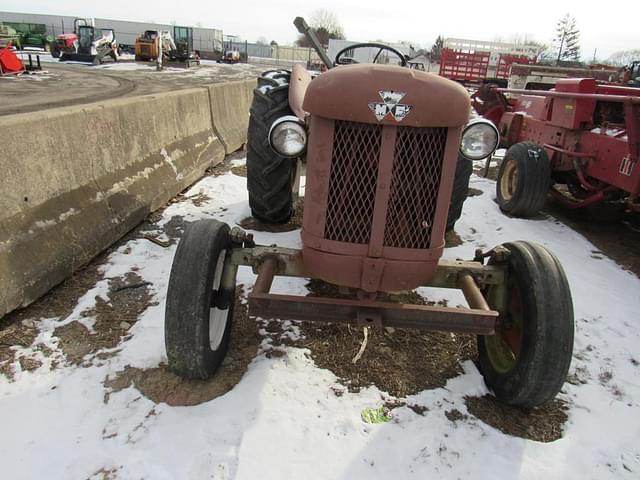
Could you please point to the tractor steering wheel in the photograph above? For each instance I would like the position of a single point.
(343, 59)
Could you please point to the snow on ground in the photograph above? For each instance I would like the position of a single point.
(283, 420)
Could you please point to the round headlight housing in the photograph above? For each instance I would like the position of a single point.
(480, 139)
(288, 136)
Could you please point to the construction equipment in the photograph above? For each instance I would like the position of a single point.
(148, 45)
(183, 39)
(631, 74)
(381, 145)
(31, 35)
(93, 45)
(8, 35)
(68, 42)
(579, 141)
(231, 56)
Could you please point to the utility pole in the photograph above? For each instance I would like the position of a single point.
(564, 32)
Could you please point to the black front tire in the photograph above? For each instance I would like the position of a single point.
(524, 180)
(464, 167)
(269, 176)
(526, 362)
(197, 331)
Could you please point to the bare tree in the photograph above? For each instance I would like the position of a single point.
(567, 40)
(624, 57)
(262, 41)
(326, 26)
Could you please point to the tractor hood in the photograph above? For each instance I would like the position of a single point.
(388, 95)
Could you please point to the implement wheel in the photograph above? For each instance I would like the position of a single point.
(526, 362)
(269, 176)
(199, 311)
(524, 180)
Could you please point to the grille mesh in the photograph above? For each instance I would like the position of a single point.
(417, 167)
(352, 185)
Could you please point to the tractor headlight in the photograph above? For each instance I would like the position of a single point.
(480, 139)
(288, 136)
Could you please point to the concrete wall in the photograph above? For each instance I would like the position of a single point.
(74, 180)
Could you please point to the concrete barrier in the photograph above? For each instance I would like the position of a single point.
(74, 180)
(230, 103)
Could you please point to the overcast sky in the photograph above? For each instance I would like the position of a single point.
(607, 29)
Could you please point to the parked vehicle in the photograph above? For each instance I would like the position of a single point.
(68, 42)
(31, 35)
(381, 145)
(94, 45)
(148, 45)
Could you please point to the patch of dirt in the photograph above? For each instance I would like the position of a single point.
(452, 239)
(294, 222)
(398, 361)
(226, 165)
(542, 424)
(15, 335)
(474, 192)
(199, 199)
(129, 296)
(19, 328)
(240, 170)
(160, 385)
(455, 415)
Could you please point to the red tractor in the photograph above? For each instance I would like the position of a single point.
(68, 42)
(383, 145)
(579, 141)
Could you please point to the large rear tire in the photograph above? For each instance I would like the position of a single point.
(269, 176)
(524, 180)
(199, 312)
(526, 361)
(464, 167)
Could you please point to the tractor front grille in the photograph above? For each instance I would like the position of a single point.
(352, 185)
(417, 168)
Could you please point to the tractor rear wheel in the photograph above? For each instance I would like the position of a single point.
(526, 361)
(269, 176)
(524, 180)
(464, 167)
(199, 312)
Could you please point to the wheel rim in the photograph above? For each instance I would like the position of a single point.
(503, 348)
(218, 317)
(508, 179)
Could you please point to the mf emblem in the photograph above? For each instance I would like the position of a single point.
(390, 105)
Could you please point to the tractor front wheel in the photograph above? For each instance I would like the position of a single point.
(526, 361)
(199, 310)
(524, 180)
(269, 176)
(460, 190)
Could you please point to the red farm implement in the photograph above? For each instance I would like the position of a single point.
(10, 64)
(503, 69)
(580, 141)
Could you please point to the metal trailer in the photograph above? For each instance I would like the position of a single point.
(580, 141)
(464, 67)
(543, 77)
(476, 67)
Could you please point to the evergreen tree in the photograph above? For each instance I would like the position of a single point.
(436, 49)
(567, 40)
